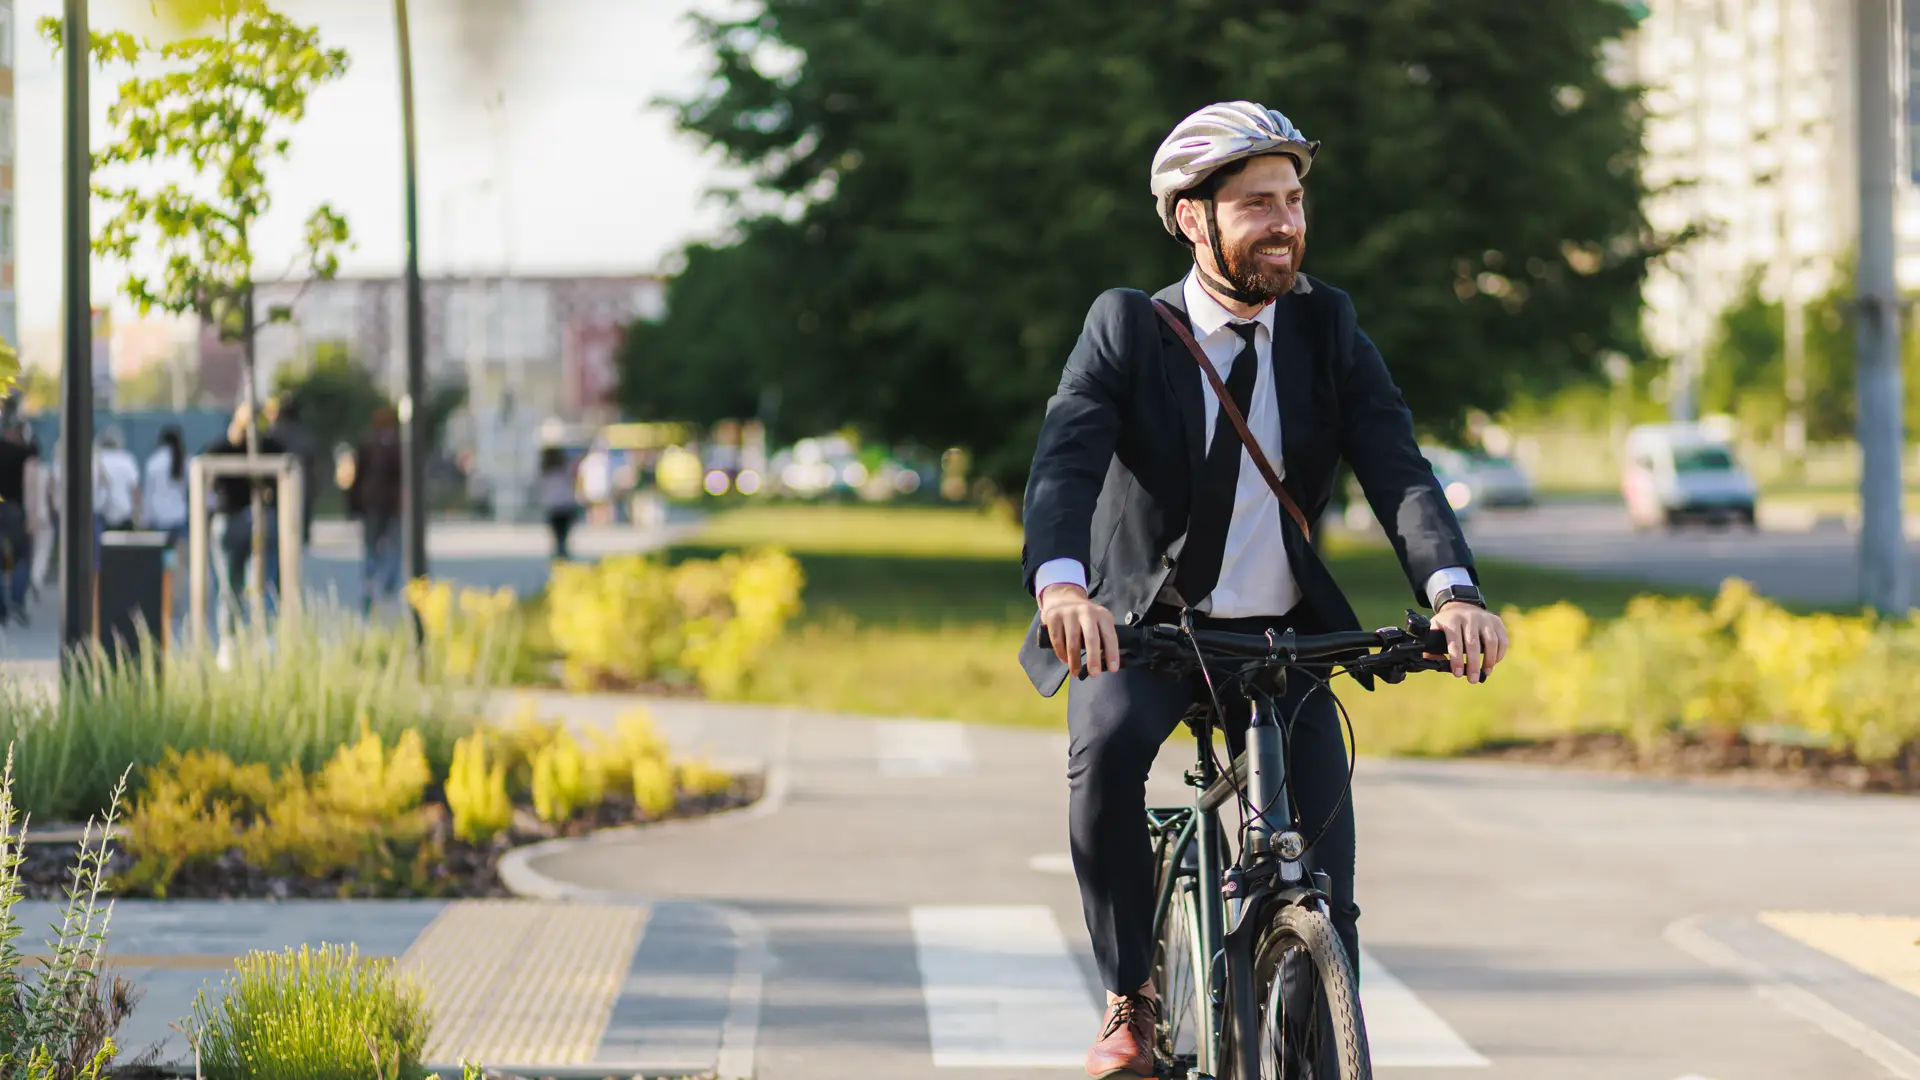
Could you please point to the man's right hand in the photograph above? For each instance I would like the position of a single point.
(1074, 622)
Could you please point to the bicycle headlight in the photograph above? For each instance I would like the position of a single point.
(1290, 845)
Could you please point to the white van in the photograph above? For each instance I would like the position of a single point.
(1677, 472)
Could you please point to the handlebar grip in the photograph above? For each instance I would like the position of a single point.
(1127, 636)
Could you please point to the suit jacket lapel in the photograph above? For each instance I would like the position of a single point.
(1292, 368)
(1183, 381)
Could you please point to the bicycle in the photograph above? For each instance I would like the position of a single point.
(1226, 930)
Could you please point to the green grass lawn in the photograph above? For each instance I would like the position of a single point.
(919, 612)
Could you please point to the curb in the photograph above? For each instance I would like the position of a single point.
(1689, 936)
(740, 1030)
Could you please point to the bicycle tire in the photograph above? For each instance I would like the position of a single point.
(1184, 1037)
(1336, 1007)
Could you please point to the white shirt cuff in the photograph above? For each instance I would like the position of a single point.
(1452, 575)
(1058, 572)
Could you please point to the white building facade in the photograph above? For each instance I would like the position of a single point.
(1752, 135)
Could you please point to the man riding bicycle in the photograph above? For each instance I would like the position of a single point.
(1148, 498)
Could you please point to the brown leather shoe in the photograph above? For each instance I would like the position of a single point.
(1125, 1049)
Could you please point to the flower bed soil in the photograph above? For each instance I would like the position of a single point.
(464, 871)
(1730, 756)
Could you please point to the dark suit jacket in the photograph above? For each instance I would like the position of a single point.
(1121, 450)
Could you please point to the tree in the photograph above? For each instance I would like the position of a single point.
(1746, 370)
(336, 394)
(217, 111)
(941, 188)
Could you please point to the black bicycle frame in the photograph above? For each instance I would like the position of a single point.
(1232, 901)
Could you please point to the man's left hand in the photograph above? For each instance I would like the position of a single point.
(1476, 638)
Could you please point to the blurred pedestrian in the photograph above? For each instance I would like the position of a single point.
(374, 495)
(557, 497)
(284, 423)
(116, 483)
(19, 469)
(164, 496)
(232, 524)
(43, 496)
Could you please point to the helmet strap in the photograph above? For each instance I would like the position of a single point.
(1237, 295)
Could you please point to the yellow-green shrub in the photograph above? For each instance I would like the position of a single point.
(170, 829)
(564, 782)
(632, 738)
(1736, 665)
(364, 780)
(633, 618)
(477, 792)
(699, 778)
(653, 789)
(470, 633)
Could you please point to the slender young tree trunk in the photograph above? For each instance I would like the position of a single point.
(257, 565)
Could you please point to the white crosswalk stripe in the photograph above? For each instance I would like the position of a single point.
(1402, 1032)
(1002, 991)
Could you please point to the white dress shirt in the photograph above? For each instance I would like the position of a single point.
(1256, 577)
(163, 500)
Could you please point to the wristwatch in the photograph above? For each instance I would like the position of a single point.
(1463, 594)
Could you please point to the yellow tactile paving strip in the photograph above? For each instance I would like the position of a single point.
(1886, 947)
(523, 982)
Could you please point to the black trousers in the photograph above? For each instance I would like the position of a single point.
(1116, 723)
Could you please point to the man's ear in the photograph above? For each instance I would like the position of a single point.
(1186, 214)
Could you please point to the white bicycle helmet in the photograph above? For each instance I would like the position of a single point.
(1220, 135)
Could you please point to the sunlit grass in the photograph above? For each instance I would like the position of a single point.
(920, 612)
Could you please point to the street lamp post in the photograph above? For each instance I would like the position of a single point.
(76, 397)
(1883, 562)
(413, 406)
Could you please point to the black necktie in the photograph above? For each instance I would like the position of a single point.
(1206, 546)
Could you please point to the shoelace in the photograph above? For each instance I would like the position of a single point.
(1121, 1013)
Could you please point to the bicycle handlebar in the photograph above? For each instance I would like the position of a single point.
(1402, 649)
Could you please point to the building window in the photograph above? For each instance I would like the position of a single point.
(6, 35)
(6, 129)
(6, 230)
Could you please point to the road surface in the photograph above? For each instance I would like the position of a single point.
(1813, 565)
(910, 882)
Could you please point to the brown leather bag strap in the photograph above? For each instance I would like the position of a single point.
(1232, 413)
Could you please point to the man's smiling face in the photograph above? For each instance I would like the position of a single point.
(1261, 212)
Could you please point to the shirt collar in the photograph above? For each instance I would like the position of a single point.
(1208, 316)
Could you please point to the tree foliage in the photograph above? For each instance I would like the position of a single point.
(217, 107)
(336, 394)
(942, 187)
(1745, 370)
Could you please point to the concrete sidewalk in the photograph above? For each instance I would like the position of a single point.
(520, 986)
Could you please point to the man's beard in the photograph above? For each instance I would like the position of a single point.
(1249, 275)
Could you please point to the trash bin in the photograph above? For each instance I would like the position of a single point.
(133, 591)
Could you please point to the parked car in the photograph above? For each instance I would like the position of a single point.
(1675, 473)
(1486, 481)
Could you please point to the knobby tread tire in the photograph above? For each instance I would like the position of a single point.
(1314, 930)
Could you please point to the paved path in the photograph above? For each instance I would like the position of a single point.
(910, 882)
(524, 986)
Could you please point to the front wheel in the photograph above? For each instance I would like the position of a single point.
(1310, 1022)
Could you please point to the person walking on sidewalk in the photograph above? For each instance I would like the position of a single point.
(233, 522)
(558, 498)
(375, 497)
(1153, 493)
(19, 524)
(164, 496)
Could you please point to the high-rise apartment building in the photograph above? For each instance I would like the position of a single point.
(1752, 137)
